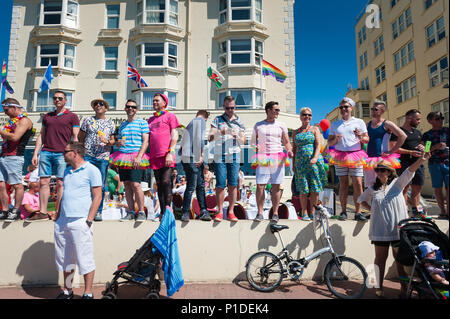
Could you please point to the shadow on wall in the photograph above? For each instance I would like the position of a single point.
(37, 265)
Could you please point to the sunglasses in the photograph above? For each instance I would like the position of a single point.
(131, 106)
(59, 98)
(99, 103)
(309, 115)
(276, 110)
(381, 170)
(68, 151)
(438, 118)
(374, 109)
(228, 108)
(344, 107)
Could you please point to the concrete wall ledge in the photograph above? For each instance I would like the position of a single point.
(209, 251)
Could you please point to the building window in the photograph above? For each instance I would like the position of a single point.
(438, 72)
(244, 98)
(48, 53)
(365, 108)
(240, 10)
(147, 99)
(111, 57)
(401, 120)
(111, 98)
(406, 90)
(241, 52)
(363, 61)
(44, 101)
(112, 16)
(382, 97)
(157, 11)
(379, 45)
(362, 35)
(435, 32)
(393, 3)
(380, 73)
(161, 54)
(429, 3)
(69, 56)
(365, 84)
(402, 23)
(59, 12)
(404, 56)
(443, 108)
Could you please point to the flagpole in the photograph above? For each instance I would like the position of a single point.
(207, 83)
(261, 82)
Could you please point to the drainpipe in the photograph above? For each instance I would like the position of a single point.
(187, 44)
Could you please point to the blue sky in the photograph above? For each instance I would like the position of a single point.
(325, 50)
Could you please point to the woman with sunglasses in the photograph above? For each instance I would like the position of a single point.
(387, 205)
(309, 168)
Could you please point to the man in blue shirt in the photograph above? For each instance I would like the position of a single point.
(73, 228)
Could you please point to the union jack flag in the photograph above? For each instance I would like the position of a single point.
(134, 75)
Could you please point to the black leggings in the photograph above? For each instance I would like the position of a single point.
(163, 178)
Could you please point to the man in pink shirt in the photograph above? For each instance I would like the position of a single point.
(30, 203)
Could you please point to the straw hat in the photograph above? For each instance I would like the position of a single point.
(387, 165)
(100, 100)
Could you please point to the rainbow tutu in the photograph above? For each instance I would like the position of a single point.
(125, 160)
(270, 160)
(393, 159)
(354, 159)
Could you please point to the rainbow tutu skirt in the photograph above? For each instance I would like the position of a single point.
(393, 159)
(354, 159)
(270, 160)
(125, 160)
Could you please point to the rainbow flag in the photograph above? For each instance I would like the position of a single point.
(270, 69)
(4, 69)
(4, 82)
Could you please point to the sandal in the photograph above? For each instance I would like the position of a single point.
(379, 293)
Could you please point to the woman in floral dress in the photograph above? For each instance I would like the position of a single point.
(309, 168)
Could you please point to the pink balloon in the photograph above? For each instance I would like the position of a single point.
(324, 124)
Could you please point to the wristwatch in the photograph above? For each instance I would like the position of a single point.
(89, 223)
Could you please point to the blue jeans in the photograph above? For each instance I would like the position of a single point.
(194, 182)
(102, 165)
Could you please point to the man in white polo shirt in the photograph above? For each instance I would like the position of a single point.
(73, 228)
(347, 135)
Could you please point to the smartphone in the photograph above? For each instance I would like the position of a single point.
(427, 146)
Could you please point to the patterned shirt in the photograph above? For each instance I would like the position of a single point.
(436, 137)
(93, 128)
(226, 144)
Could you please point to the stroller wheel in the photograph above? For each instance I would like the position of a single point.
(110, 295)
(111, 287)
(152, 295)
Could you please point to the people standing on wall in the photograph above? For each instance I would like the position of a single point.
(347, 135)
(163, 139)
(97, 135)
(131, 159)
(59, 127)
(268, 138)
(15, 134)
(310, 175)
(227, 131)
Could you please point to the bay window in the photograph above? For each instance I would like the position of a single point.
(240, 10)
(59, 12)
(146, 96)
(157, 12)
(244, 98)
(157, 54)
(241, 52)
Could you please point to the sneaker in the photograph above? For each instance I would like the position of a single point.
(38, 216)
(86, 296)
(65, 295)
(141, 217)
(98, 217)
(129, 216)
(360, 217)
(205, 216)
(306, 218)
(258, 218)
(13, 214)
(219, 217)
(185, 217)
(232, 217)
(343, 216)
(3, 214)
(275, 218)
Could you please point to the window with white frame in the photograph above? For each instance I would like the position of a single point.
(403, 56)
(365, 84)
(157, 12)
(48, 53)
(379, 45)
(69, 56)
(435, 32)
(112, 16)
(380, 73)
(401, 23)
(111, 57)
(428, 3)
(244, 98)
(241, 52)
(362, 35)
(363, 60)
(442, 107)
(406, 90)
(438, 72)
(111, 98)
(44, 101)
(157, 54)
(147, 98)
(59, 12)
(240, 10)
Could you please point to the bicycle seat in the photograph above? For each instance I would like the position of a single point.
(276, 228)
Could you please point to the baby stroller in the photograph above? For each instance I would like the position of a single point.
(412, 233)
(139, 270)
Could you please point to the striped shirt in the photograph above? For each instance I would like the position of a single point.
(133, 133)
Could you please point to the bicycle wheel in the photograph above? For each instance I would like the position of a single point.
(345, 277)
(264, 271)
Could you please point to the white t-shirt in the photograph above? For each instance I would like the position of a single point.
(269, 136)
(349, 141)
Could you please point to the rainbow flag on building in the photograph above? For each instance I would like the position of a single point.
(5, 82)
(270, 69)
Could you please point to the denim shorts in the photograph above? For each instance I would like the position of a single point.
(439, 174)
(11, 169)
(226, 172)
(51, 163)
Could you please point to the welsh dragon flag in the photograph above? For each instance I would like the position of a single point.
(216, 77)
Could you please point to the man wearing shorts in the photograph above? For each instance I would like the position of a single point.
(15, 135)
(412, 149)
(347, 135)
(227, 131)
(268, 137)
(58, 128)
(73, 227)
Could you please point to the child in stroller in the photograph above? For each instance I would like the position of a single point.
(428, 250)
